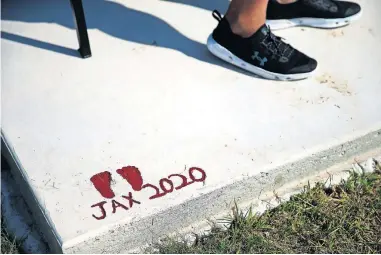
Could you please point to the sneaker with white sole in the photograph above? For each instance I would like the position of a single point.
(312, 13)
(263, 53)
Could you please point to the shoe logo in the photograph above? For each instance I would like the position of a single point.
(256, 56)
(283, 59)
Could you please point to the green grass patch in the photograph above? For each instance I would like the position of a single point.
(344, 218)
(8, 244)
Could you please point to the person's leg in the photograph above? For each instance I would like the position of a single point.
(246, 17)
(243, 39)
(314, 13)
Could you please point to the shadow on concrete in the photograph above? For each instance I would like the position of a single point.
(111, 18)
(39, 44)
(208, 5)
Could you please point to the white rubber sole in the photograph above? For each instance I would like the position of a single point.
(312, 22)
(224, 54)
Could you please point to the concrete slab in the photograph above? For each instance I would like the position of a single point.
(153, 106)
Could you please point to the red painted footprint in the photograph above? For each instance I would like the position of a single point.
(102, 182)
(133, 176)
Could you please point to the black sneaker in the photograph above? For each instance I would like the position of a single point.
(312, 13)
(263, 53)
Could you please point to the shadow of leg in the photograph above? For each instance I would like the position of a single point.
(209, 5)
(112, 18)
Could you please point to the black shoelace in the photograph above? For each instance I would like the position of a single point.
(276, 46)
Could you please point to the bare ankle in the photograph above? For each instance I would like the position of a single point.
(246, 16)
(242, 26)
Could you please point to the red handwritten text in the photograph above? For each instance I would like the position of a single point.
(114, 204)
(167, 186)
(102, 183)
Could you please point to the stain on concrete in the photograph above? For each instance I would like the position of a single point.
(371, 31)
(340, 86)
(278, 180)
(336, 33)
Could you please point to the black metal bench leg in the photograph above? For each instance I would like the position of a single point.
(80, 23)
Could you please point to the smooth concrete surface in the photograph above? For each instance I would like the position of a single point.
(153, 98)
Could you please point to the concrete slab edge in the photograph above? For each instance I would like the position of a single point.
(331, 176)
(17, 219)
(39, 215)
(19, 222)
(129, 236)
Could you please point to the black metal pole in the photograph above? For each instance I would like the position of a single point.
(80, 23)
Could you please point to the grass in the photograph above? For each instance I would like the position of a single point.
(8, 244)
(344, 218)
